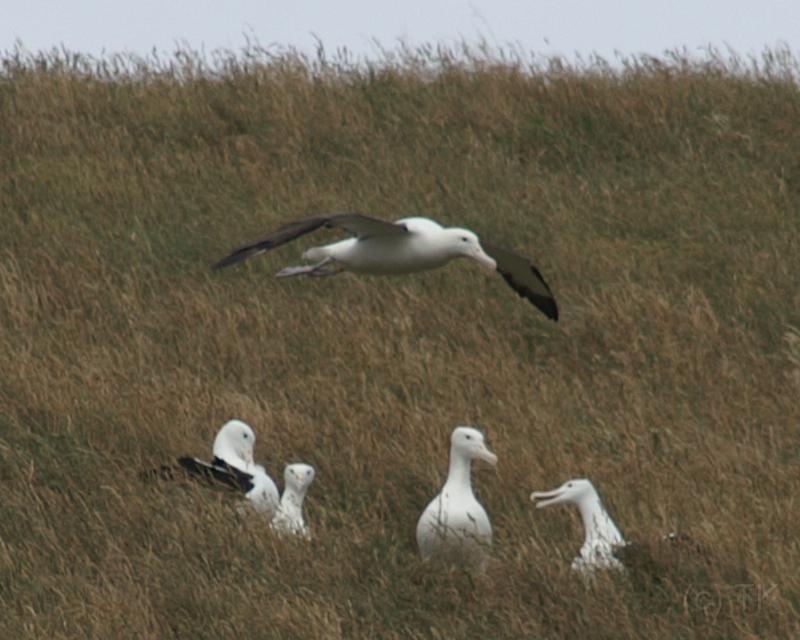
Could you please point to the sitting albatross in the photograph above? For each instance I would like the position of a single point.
(455, 524)
(233, 465)
(675, 555)
(404, 246)
(602, 536)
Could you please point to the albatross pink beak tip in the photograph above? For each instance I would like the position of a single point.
(486, 261)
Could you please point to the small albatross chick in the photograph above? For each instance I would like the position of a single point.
(289, 518)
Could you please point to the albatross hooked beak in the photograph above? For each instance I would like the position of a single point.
(484, 454)
(547, 497)
(479, 255)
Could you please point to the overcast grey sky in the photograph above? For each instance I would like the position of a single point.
(542, 26)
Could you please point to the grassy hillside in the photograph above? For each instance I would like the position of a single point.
(662, 204)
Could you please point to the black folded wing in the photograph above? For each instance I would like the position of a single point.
(218, 471)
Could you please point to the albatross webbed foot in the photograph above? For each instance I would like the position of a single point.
(289, 272)
(325, 268)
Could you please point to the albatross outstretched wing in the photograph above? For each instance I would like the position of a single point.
(357, 224)
(524, 278)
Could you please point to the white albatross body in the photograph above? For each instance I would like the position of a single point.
(406, 246)
(602, 537)
(264, 495)
(427, 245)
(234, 446)
(233, 465)
(289, 518)
(455, 524)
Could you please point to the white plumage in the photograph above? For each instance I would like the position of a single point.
(289, 518)
(602, 536)
(455, 524)
(233, 466)
(392, 248)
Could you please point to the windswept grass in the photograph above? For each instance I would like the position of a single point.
(662, 203)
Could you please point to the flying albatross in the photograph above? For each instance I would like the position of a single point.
(405, 246)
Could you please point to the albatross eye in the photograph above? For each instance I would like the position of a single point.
(469, 437)
(464, 239)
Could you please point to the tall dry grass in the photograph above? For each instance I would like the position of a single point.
(660, 200)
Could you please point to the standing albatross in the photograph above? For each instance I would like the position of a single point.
(454, 524)
(405, 246)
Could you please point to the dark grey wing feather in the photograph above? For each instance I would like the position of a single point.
(364, 226)
(524, 278)
(357, 224)
(218, 471)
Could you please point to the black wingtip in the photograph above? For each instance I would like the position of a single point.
(236, 256)
(192, 465)
(546, 304)
(219, 265)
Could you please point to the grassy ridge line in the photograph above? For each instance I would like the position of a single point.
(662, 205)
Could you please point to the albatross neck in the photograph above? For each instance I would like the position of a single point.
(292, 500)
(459, 476)
(228, 454)
(601, 532)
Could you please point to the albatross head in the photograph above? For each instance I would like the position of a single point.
(468, 442)
(465, 243)
(574, 491)
(299, 477)
(235, 441)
